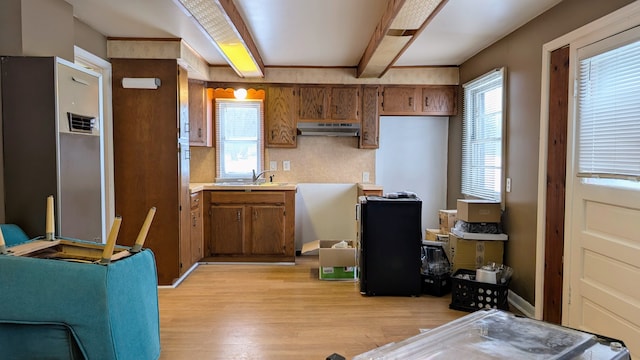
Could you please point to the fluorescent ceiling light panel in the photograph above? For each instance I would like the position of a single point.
(210, 15)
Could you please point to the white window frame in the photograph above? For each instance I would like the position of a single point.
(245, 174)
(475, 171)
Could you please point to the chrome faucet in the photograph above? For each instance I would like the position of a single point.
(256, 177)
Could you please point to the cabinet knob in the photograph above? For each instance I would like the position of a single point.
(426, 101)
(238, 215)
(410, 101)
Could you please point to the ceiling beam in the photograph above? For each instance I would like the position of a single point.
(235, 18)
(387, 44)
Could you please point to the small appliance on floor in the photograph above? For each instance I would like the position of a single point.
(390, 240)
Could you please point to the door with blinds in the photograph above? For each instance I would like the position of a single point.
(603, 205)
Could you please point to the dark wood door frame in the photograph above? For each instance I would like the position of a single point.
(556, 185)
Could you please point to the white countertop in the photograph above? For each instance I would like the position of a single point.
(195, 187)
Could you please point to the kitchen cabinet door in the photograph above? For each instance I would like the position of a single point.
(268, 230)
(227, 230)
(197, 234)
(439, 100)
(399, 100)
(200, 114)
(313, 102)
(345, 103)
(369, 131)
(280, 120)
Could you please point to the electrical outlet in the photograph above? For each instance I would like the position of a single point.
(273, 165)
(286, 165)
(365, 177)
(508, 185)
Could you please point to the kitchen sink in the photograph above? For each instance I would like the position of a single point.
(272, 184)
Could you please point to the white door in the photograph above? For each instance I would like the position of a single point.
(605, 263)
(602, 256)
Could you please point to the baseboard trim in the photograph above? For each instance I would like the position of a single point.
(177, 282)
(521, 304)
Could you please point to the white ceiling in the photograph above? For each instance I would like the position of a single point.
(327, 33)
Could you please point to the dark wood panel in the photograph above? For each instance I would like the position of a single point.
(146, 161)
(556, 184)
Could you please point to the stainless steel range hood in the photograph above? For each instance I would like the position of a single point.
(328, 129)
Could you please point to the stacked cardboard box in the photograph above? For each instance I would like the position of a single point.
(471, 250)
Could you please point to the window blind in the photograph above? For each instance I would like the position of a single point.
(608, 110)
(239, 129)
(482, 136)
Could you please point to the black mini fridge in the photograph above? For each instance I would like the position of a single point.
(390, 237)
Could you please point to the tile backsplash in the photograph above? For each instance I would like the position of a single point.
(316, 159)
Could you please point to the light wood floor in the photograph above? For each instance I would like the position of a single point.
(284, 312)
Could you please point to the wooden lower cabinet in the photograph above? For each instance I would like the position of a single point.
(268, 230)
(197, 227)
(227, 229)
(250, 226)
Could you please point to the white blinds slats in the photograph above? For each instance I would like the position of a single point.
(608, 89)
(482, 136)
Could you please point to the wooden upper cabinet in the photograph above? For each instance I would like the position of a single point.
(200, 114)
(329, 103)
(439, 100)
(369, 131)
(345, 103)
(280, 120)
(314, 101)
(399, 100)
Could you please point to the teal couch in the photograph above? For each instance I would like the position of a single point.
(54, 309)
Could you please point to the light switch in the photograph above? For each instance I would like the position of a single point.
(365, 177)
(508, 185)
(273, 165)
(286, 165)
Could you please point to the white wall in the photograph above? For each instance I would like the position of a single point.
(413, 157)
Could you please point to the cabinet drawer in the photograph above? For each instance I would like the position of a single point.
(241, 197)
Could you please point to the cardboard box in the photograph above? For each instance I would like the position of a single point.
(334, 264)
(447, 220)
(479, 236)
(479, 211)
(432, 234)
(472, 254)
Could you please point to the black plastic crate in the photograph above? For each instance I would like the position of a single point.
(436, 285)
(471, 295)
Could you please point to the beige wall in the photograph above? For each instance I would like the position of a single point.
(521, 53)
(36, 27)
(89, 39)
(10, 27)
(47, 28)
(316, 159)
